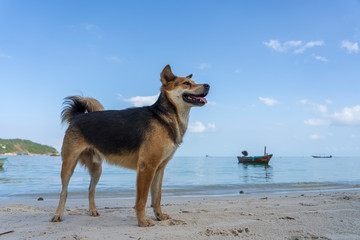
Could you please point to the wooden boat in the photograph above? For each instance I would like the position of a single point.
(255, 159)
(2, 161)
(322, 156)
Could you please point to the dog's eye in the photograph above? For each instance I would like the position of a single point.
(187, 83)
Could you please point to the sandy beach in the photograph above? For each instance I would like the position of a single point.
(316, 215)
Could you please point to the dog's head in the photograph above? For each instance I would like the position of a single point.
(182, 90)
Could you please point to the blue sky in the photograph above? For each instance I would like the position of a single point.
(284, 74)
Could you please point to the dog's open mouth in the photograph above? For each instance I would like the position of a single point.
(195, 99)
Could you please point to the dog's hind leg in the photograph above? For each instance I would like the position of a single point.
(156, 194)
(70, 159)
(93, 163)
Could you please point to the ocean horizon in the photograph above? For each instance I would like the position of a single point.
(30, 177)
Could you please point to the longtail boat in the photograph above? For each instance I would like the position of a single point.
(322, 156)
(254, 159)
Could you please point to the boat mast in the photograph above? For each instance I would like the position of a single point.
(265, 151)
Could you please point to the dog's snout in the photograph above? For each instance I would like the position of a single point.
(206, 88)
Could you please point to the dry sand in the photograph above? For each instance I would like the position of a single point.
(321, 215)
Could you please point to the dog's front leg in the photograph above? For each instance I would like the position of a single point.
(145, 175)
(156, 194)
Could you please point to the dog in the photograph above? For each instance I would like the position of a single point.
(142, 138)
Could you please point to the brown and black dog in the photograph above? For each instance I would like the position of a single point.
(143, 139)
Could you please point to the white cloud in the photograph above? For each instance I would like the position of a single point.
(199, 127)
(277, 46)
(321, 58)
(317, 122)
(140, 101)
(316, 107)
(268, 101)
(202, 66)
(314, 43)
(347, 116)
(328, 101)
(113, 59)
(310, 44)
(212, 103)
(351, 47)
(298, 45)
(292, 43)
(315, 136)
(320, 108)
(274, 44)
(91, 28)
(304, 101)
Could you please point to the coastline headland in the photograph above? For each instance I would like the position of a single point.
(25, 147)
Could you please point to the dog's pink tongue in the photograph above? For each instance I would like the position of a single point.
(200, 98)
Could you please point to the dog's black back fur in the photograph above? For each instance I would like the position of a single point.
(123, 131)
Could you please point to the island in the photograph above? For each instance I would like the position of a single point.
(25, 147)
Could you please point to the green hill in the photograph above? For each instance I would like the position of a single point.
(16, 146)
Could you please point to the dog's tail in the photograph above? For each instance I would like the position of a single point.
(75, 105)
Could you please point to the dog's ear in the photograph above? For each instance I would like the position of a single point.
(167, 75)
(189, 77)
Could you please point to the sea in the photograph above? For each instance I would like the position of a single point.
(31, 177)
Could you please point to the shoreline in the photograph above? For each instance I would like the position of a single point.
(199, 191)
(31, 154)
(307, 215)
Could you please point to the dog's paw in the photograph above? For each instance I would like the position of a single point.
(94, 213)
(146, 223)
(56, 218)
(162, 217)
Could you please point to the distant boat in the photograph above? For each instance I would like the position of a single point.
(322, 156)
(254, 159)
(2, 162)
